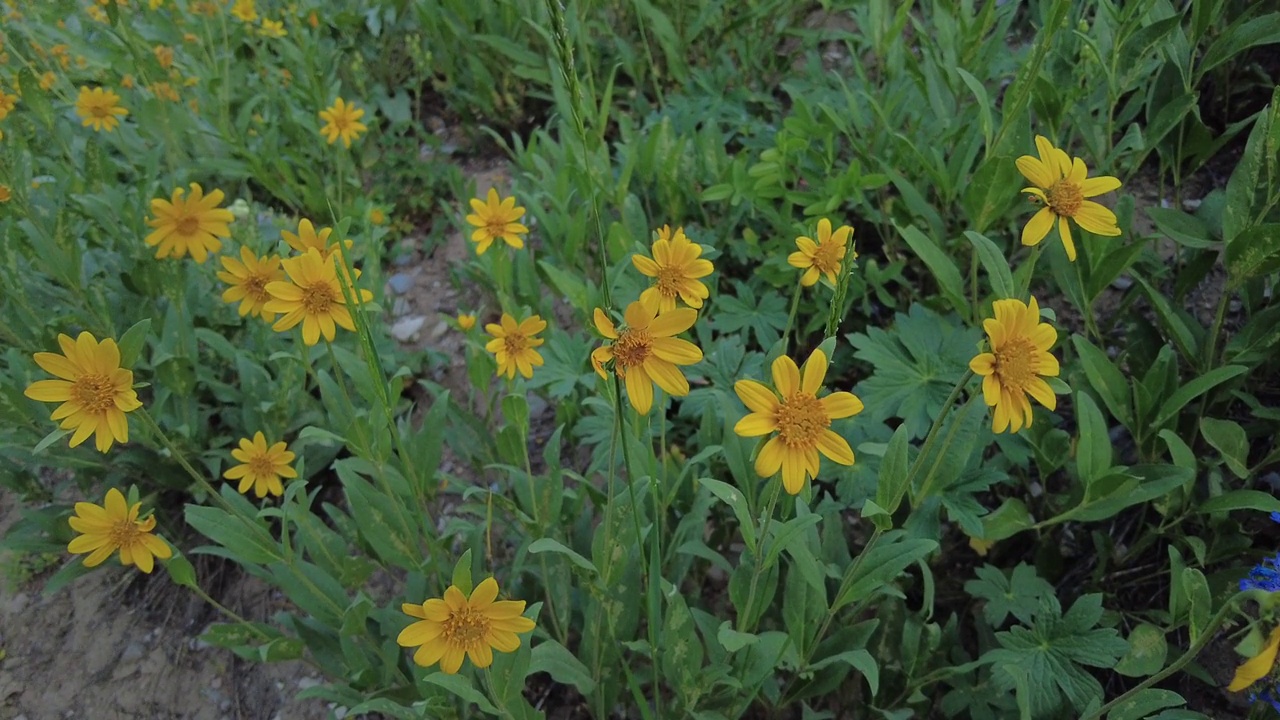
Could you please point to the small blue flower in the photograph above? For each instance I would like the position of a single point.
(1275, 517)
(1264, 576)
(1269, 695)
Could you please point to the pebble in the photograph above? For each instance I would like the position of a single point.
(1191, 204)
(439, 330)
(402, 260)
(1124, 282)
(405, 329)
(132, 651)
(400, 283)
(400, 307)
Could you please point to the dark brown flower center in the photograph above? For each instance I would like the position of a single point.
(1065, 198)
(317, 299)
(801, 420)
(632, 348)
(188, 225)
(515, 343)
(669, 280)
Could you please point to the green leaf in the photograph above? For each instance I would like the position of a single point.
(882, 564)
(732, 640)
(1147, 652)
(554, 546)
(735, 500)
(940, 264)
(181, 571)
(1105, 378)
(892, 483)
(682, 651)
(1262, 30)
(994, 262)
(1246, 183)
(515, 410)
(36, 100)
(1228, 438)
(552, 658)
(1093, 453)
(1173, 320)
(1146, 704)
(860, 660)
(1019, 594)
(462, 574)
(246, 541)
(1241, 500)
(462, 688)
(1253, 253)
(1181, 453)
(1195, 589)
(1185, 229)
(131, 342)
(1011, 518)
(1194, 389)
(1122, 488)
(983, 102)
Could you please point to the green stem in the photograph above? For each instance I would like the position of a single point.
(791, 318)
(178, 455)
(745, 622)
(1206, 636)
(1086, 308)
(537, 522)
(933, 434)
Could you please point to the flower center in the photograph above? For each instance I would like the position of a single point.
(317, 299)
(515, 344)
(496, 227)
(124, 533)
(261, 466)
(801, 419)
(342, 122)
(99, 111)
(632, 347)
(95, 393)
(827, 257)
(465, 628)
(188, 225)
(1015, 363)
(1065, 198)
(669, 281)
(255, 286)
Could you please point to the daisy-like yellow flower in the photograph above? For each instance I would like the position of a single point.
(100, 109)
(801, 419)
(245, 10)
(513, 345)
(1062, 183)
(821, 258)
(248, 278)
(1257, 667)
(675, 268)
(272, 28)
(47, 79)
(377, 216)
(113, 526)
(7, 103)
(1018, 362)
(312, 296)
(342, 120)
(164, 55)
(466, 322)
(494, 219)
(646, 351)
(309, 237)
(455, 626)
(261, 466)
(189, 224)
(94, 390)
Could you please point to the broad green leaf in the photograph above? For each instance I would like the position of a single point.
(732, 640)
(131, 342)
(735, 500)
(1093, 453)
(940, 264)
(882, 564)
(461, 687)
(1195, 589)
(1011, 518)
(555, 546)
(1228, 438)
(244, 541)
(892, 483)
(181, 571)
(1020, 594)
(462, 574)
(994, 262)
(1253, 253)
(1185, 229)
(1246, 183)
(552, 658)
(682, 651)
(1241, 500)
(1194, 389)
(1147, 652)
(1261, 30)
(1105, 378)
(1146, 704)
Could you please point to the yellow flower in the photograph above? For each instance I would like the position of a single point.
(449, 628)
(189, 225)
(245, 10)
(675, 267)
(114, 526)
(1062, 183)
(164, 54)
(127, 81)
(513, 344)
(155, 4)
(378, 216)
(801, 419)
(466, 322)
(248, 278)
(47, 79)
(313, 297)
(261, 467)
(496, 219)
(100, 109)
(1259, 666)
(5, 193)
(1018, 361)
(94, 390)
(313, 20)
(7, 102)
(164, 91)
(308, 237)
(342, 120)
(646, 351)
(272, 28)
(823, 257)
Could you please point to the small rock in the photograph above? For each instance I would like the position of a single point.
(1124, 282)
(1234, 306)
(308, 682)
(405, 329)
(132, 651)
(1191, 204)
(439, 330)
(400, 283)
(400, 307)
